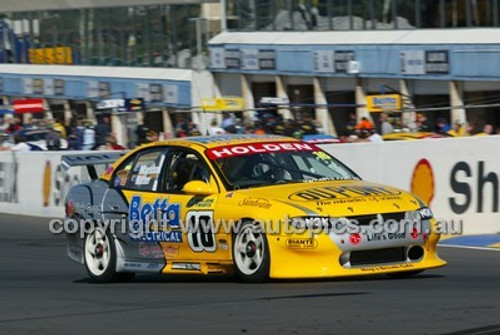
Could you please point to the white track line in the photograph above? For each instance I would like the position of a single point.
(468, 247)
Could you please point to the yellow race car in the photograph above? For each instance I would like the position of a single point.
(257, 206)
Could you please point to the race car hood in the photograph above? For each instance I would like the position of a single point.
(337, 198)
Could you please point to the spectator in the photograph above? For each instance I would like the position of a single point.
(181, 126)
(458, 130)
(152, 136)
(80, 130)
(259, 129)
(374, 136)
(385, 126)
(193, 129)
(442, 127)
(141, 133)
(112, 144)
(215, 129)
(13, 125)
(289, 127)
(308, 126)
(20, 145)
(102, 131)
(53, 139)
(364, 124)
(350, 126)
(58, 126)
(88, 136)
(423, 123)
(227, 120)
(472, 129)
(487, 130)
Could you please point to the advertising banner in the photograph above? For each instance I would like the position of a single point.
(457, 177)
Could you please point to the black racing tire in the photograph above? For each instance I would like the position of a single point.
(251, 257)
(404, 274)
(99, 254)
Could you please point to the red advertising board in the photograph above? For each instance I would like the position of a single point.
(28, 106)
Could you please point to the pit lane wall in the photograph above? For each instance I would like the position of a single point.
(458, 177)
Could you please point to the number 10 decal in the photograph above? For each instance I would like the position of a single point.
(200, 231)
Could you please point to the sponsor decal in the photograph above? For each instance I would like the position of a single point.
(355, 239)
(166, 215)
(335, 192)
(301, 243)
(157, 251)
(387, 267)
(8, 181)
(146, 173)
(414, 233)
(376, 237)
(186, 266)
(63, 182)
(170, 251)
(465, 183)
(138, 266)
(257, 148)
(425, 213)
(86, 208)
(422, 181)
(206, 203)
(223, 244)
(201, 236)
(47, 182)
(255, 202)
(28, 106)
(70, 208)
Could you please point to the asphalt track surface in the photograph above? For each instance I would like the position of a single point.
(43, 292)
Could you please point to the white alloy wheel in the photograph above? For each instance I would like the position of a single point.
(97, 252)
(251, 253)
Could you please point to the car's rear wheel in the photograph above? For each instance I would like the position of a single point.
(404, 274)
(251, 253)
(100, 257)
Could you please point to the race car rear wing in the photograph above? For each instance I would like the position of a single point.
(90, 161)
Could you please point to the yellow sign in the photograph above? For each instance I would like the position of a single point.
(222, 104)
(383, 102)
(58, 55)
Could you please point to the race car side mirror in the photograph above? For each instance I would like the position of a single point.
(197, 187)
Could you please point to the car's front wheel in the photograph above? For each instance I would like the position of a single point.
(100, 257)
(251, 253)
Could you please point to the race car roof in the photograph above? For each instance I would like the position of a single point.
(223, 140)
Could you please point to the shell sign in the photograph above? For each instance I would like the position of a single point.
(422, 181)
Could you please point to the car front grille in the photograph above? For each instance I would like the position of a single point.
(364, 220)
(377, 256)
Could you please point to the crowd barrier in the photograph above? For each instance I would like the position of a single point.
(35, 183)
(458, 178)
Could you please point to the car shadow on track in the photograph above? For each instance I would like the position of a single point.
(215, 279)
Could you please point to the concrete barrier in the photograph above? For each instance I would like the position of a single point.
(34, 183)
(457, 177)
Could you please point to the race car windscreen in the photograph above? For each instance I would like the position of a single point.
(264, 164)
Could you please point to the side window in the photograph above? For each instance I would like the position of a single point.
(145, 174)
(184, 166)
(122, 174)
